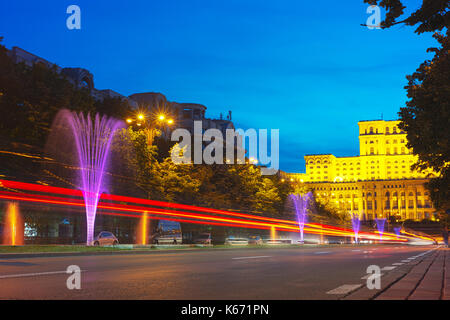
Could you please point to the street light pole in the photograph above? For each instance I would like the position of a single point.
(151, 127)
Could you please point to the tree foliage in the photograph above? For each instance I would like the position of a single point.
(431, 16)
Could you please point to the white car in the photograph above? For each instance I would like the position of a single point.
(236, 241)
(105, 238)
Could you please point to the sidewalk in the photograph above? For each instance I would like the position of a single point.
(425, 279)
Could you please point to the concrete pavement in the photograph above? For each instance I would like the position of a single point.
(424, 276)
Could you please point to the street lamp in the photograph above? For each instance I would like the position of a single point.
(152, 128)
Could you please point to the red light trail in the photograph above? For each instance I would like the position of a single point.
(232, 219)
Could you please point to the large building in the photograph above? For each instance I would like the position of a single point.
(377, 183)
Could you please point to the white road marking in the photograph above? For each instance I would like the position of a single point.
(388, 268)
(397, 264)
(346, 288)
(33, 274)
(357, 250)
(255, 257)
(374, 275)
(406, 261)
(322, 252)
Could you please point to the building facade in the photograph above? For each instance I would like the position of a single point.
(377, 183)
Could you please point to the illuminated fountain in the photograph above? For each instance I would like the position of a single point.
(397, 231)
(92, 139)
(301, 204)
(13, 228)
(356, 223)
(273, 233)
(380, 226)
(142, 230)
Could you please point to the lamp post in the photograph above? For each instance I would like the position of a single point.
(152, 126)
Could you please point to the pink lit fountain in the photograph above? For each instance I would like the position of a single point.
(92, 139)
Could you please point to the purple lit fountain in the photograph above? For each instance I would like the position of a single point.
(397, 231)
(92, 140)
(356, 223)
(301, 204)
(380, 226)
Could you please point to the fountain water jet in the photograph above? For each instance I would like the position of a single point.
(92, 138)
(13, 229)
(380, 226)
(273, 233)
(356, 223)
(397, 231)
(142, 230)
(301, 204)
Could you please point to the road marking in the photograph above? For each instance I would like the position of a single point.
(397, 264)
(346, 288)
(33, 274)
(255, 257)
(357, 250)
(370, 275)
(406, 261)
(411, 258)
(322, 252)
(388, 268)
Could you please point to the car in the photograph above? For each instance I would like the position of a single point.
(255, 240)
(203, 238)
(105, 238)
(168, 232)
(236, 241)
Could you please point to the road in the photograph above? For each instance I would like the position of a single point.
(244, 273)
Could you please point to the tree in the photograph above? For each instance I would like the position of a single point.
(135, 163)
(431, 16)
(426, 119)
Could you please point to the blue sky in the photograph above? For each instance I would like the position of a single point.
(307, 68)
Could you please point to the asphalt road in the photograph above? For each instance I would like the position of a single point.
(244, 273)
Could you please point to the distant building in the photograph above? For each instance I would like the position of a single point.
(377, 183)
(79, 77)
(184, 113)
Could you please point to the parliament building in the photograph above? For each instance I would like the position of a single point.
(379, 183)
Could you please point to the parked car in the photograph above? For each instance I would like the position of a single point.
(255, 240)
(105, 238)
(203, 238)
(236, 241)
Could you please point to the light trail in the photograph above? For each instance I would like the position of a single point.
(254, 221)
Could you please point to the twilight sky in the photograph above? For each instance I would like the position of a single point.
(307, 68)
